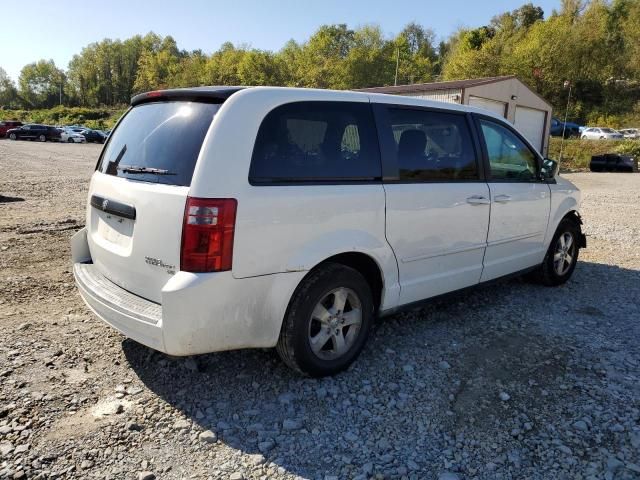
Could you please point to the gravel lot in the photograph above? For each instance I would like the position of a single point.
(512, 380)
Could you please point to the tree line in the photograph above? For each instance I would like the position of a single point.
(593, 44)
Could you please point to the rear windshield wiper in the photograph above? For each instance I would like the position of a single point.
(137, 169)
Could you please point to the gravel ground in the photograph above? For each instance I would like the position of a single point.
(512, 380)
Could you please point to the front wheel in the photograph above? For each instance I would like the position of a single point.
(327, 322)
(70, 140)
(12, 136)
(562, 255)
(42, 138)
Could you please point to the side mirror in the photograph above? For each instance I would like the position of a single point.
(549, 169)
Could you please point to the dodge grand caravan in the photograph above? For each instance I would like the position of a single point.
(223, 218)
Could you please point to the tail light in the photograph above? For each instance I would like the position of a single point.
(207, 234)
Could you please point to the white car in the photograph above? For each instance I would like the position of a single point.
(632, 133)
(71, 136)
(600, 133)
(222, 218)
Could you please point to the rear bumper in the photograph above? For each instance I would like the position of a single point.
(133, 316)
(199, 313)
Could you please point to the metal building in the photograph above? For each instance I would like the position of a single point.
(506, 96)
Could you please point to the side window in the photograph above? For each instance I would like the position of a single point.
(509, 157)
(432, 145)
(316, 141)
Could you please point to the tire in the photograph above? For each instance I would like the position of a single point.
(13, 136)
(42, 138)
(584, 137)
(549, 274)
(70, 140)
(320, 295)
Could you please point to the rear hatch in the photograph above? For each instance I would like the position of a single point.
(138, 192)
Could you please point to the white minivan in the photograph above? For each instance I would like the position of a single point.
(223, 218)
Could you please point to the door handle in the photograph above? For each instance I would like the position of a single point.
(502, 198)
(478, 200)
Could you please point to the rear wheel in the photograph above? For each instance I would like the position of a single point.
(42, 138)
(562, 255)
(327, 322)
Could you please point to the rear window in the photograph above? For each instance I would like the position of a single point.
(158, 142)
(316, 141)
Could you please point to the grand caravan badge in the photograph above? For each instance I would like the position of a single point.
(156, 262)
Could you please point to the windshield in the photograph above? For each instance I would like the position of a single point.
(158, 142)
(607, 130)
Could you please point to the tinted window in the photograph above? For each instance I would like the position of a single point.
(432, 145)
(166, 136)
(509, 157)
(316, 141)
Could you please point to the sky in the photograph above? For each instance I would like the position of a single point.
(55, 30)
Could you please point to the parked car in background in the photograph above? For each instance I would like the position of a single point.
(93, 136)
(613, 162)
(600, 133)
(8, 125)
(570, 129)
(70, 136)
(632, 133)
(298, 216)
(33, 131)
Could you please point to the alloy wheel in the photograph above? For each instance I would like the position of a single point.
(564, 254)
(335, 323)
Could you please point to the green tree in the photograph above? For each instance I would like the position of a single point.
(321, 62)
(41, 83)
(157, 65)
(417, 56)
(370, 59)
(8, 91)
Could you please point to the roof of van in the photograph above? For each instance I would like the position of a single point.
(219, 94)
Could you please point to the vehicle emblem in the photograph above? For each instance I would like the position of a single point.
(105, 204)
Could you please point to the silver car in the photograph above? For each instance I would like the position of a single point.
(600, 133)
(632, 133)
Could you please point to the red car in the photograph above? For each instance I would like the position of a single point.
(8, 124)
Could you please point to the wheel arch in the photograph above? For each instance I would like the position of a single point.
(572, 214)
(362, 262)
(367, 266)
(575, 217)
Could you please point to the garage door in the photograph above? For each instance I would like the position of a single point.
(530, 122)
(499, 108)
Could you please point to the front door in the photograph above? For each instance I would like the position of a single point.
(520, 202)
(436, 202)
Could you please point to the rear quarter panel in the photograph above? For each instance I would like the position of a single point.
(288, 228)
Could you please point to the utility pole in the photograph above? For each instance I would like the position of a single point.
(60, 93)
(567, 83)
(395, 82)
